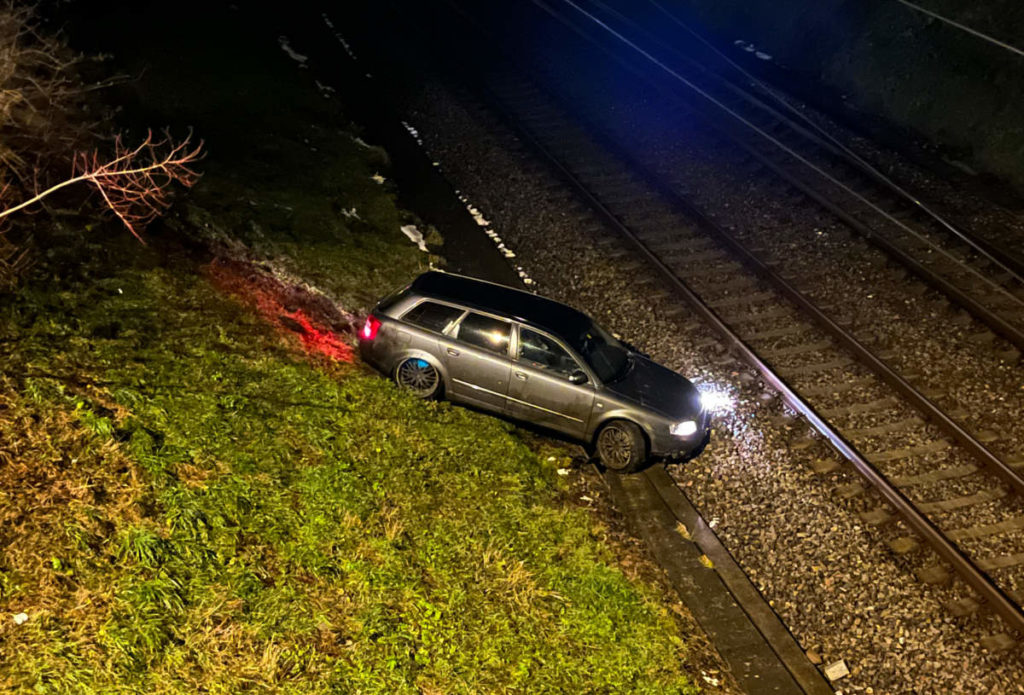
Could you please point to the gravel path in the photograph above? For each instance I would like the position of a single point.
(828, 574)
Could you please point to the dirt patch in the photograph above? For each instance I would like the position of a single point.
(323, 329)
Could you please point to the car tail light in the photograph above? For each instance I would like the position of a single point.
(371, 327)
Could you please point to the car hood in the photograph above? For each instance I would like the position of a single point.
(659, 388)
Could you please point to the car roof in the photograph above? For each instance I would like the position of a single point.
(547, 314)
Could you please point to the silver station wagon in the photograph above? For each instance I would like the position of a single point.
(535, 360)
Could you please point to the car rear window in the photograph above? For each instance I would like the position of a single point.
(432, 316)
(485, 333)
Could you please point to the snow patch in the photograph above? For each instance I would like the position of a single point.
(493, 235)
(414, 133)
(286, 47)
(477, 215)
(751, 48)
(339, 37)
(415, 236)
(325, 89)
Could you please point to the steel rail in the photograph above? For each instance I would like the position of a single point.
(962, 565)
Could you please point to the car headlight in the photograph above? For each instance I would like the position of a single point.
(684, 428)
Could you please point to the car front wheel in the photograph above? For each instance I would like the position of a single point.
(621, 446)
(419, 376)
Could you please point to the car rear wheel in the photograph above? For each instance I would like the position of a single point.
(621, 446)
(418, 376)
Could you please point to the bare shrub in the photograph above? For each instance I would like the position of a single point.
(135, 183)
(43, 118)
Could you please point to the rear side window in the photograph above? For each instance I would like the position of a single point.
(485, 333)
(432, 316)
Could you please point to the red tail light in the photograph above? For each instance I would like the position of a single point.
(371, 327)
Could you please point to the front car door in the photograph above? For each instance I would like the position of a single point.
(540, 390)
(476, 356)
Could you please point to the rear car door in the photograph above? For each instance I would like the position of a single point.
(476, 357)
(540, 390)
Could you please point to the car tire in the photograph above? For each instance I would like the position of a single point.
(419, 377)
(621, 446)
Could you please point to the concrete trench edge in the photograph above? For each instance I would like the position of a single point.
(762, 653)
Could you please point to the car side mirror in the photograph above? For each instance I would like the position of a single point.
(578, 377)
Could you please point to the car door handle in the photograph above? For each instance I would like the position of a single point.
(521, 375)
(453, 352)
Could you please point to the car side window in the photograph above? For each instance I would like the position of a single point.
(432, 316)
(485, 333)
(541, 352)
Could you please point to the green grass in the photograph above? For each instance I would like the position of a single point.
(272, 523)
(189, 503)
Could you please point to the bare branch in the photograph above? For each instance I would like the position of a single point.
(136, 183)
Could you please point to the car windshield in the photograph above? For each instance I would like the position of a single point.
(606, 356)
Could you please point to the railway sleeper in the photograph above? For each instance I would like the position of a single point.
(877, 517)
(667, 239)
(935, 575)
(711, 254)
(800, 349)
(1000, 642)
(858, 408)
(904, 545)
(746, 298)
(819, 367)
(953, 503)
(824, 466)
(962, 607)
(1015, 523)
(842, 387)
(850, 490)
(909, 452)
(781, 332)
(999, 562)
(886, 428)
(934, 476)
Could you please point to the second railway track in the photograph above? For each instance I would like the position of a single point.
(936, 465)
(959, 492)
(977, 514)
(971, 268)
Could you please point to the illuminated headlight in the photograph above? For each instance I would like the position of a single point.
(684, 428)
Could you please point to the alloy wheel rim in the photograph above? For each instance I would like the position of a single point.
(418, 376)
(616, 448)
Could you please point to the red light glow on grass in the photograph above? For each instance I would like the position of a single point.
(291, 309)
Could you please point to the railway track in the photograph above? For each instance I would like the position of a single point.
(948, 486)
(942, 480)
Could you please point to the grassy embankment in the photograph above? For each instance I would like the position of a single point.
(190, 501)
